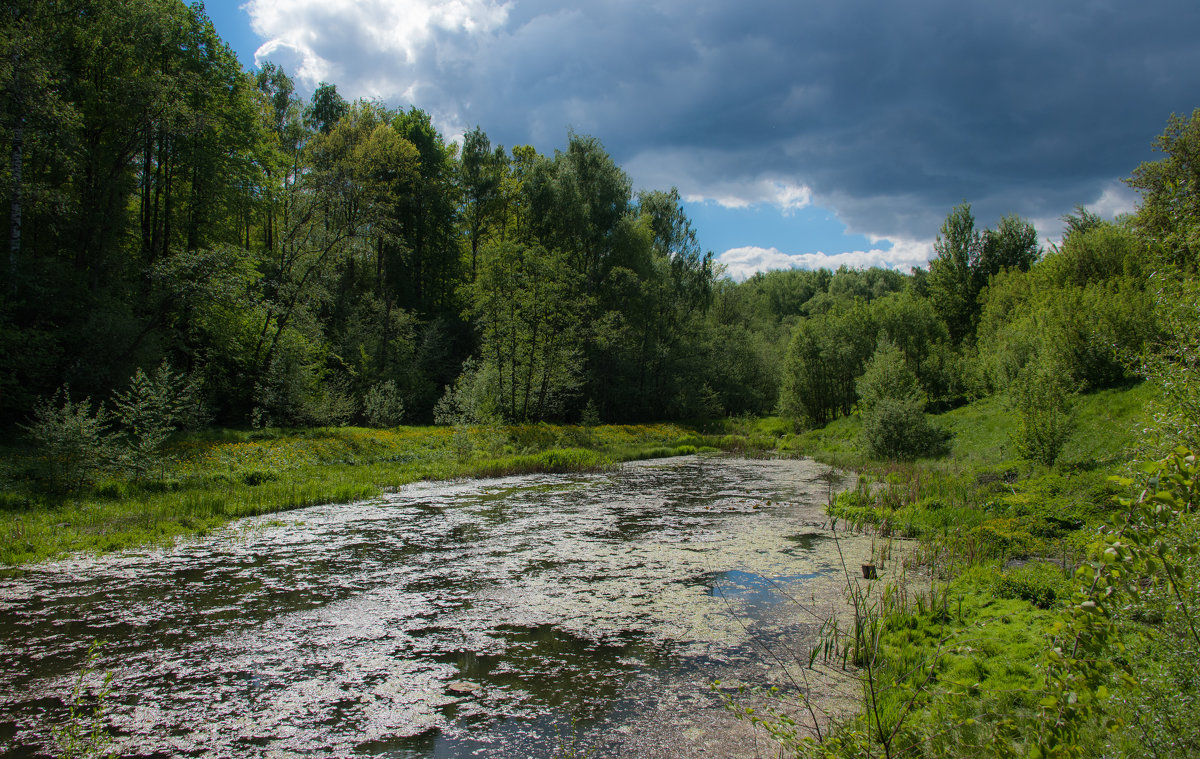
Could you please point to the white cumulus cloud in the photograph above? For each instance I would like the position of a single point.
(740, 263)
(381, 48)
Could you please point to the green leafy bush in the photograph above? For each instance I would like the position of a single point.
(72, 441)
(893, 409)
(471, 399)
(149, 411)
(1039, 583)
(571, 460)
(1001, 538)
(1042, 396)
(382, 405)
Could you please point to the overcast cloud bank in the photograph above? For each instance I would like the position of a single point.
(889, 114)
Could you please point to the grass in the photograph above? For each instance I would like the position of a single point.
(961, 670)
(215, 476)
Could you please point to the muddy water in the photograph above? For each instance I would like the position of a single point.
(484, 618)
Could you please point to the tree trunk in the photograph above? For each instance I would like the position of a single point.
(14, 236)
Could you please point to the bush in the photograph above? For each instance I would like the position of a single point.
(893, 410)
(471, 399)
(590, 417)
(382, 405)
(571, 460)
(150, 410)
(1039, 583)
(1002, 538)
(1042, 396)
(72, 441)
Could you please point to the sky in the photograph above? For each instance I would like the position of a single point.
(800, 134)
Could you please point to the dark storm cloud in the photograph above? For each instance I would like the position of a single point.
(890, 112)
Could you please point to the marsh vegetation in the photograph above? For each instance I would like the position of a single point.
(222, 300)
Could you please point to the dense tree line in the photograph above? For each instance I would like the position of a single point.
(993, 313)
(324, 261)
(296, 257)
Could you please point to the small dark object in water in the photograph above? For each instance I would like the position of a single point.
(869, 572)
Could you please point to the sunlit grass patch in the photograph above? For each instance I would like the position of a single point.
(214, 476)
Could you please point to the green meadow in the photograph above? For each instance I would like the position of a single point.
(207, 479)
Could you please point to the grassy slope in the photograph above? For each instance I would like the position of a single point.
(220, 475)
(1005, 536)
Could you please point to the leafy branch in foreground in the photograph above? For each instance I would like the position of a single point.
(1138, 584)
(84, 735)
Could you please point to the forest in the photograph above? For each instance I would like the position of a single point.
(195, 248)
(327, 262)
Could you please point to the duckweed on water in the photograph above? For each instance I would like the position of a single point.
(475, 617)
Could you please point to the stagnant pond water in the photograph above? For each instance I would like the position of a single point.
(483, 618)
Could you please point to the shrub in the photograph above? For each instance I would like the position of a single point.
(893, 410)
(571, 460)
(1039, 583)
(1002, 538)
(590, 417)
(72, 441)
(1042, 396)
(150, 410)
(471, 399)
(382, 405)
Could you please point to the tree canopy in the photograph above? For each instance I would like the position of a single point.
(330, 261)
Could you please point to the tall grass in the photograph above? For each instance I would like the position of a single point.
(219, 475)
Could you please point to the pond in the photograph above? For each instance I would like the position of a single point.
(501, 617)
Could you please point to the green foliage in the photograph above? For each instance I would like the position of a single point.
(84, 735)
(482, 173)
(1098, 252)
(911, 322)
(1144, 564)
(1173, 362)
(1042, 396)
(1011, 246)
(326, 109)
(1039, 583)
(150, 410)
(72, 442)
(1169, 217)
(529, 326)
(967, 260)
(952, 282)
(571, 460)
(1087, 304)
(826, 354)
(383, 406)
(472, 397)
(892, 409)
(590, 417)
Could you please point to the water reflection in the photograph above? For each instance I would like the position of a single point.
(441, 620)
